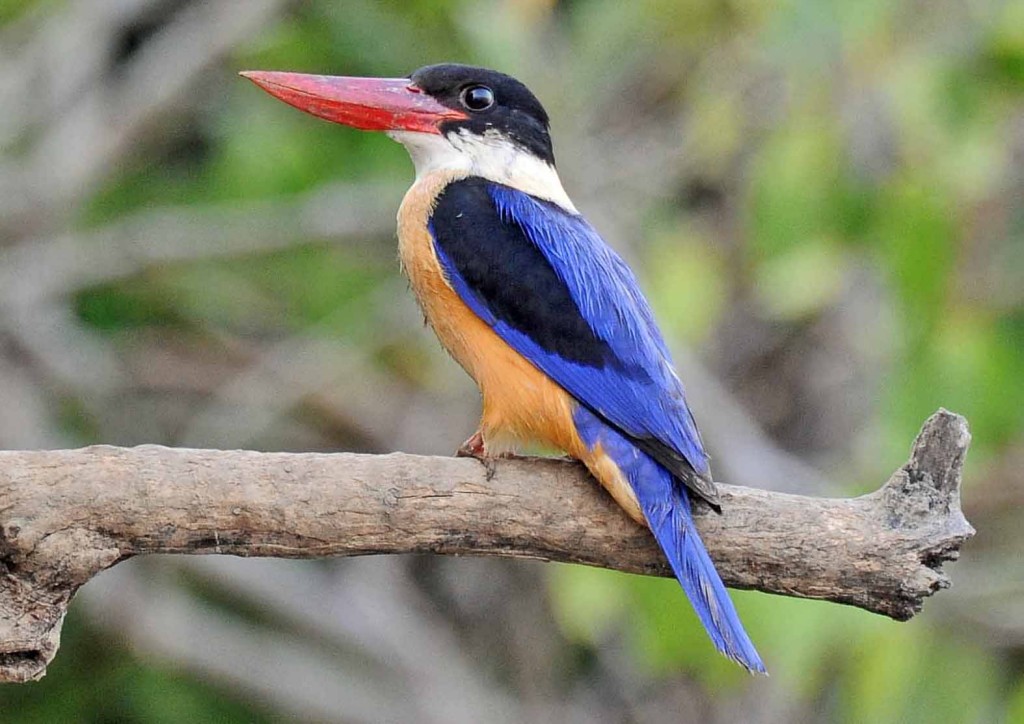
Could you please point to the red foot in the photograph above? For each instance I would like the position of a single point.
(473, 447)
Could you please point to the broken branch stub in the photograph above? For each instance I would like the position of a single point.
(66, 515)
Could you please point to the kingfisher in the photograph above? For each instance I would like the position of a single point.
(528, 298)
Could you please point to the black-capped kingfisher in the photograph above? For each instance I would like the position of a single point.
(527, 297)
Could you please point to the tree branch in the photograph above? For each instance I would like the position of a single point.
(65, 515)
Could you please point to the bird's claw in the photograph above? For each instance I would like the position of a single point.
(474, 448)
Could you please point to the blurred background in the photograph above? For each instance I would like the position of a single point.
(824, 201)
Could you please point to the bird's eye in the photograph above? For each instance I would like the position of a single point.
(477, 97)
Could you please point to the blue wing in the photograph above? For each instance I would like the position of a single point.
(550, 287)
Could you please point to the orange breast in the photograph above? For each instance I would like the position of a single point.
(520, 403)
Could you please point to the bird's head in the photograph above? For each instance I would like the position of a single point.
(450, 117)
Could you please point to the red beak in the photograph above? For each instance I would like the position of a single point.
(372, 104)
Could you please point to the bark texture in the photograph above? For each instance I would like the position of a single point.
(66, 515)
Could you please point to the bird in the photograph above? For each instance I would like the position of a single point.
(537, 308)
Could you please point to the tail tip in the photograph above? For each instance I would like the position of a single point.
(744, 655)
(753, 665)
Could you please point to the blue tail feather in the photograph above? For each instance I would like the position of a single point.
(667, 508)
(674, 530)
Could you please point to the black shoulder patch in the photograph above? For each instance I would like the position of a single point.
(511, 275)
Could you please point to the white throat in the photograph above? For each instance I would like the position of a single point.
(491, 156)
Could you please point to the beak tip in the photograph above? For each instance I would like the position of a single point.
(254, 75)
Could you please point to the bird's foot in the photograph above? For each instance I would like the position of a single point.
(474, 448)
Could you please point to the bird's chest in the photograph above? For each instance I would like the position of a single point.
(457, 327)
(519, 400)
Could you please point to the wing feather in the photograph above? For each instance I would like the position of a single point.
(551, 288)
